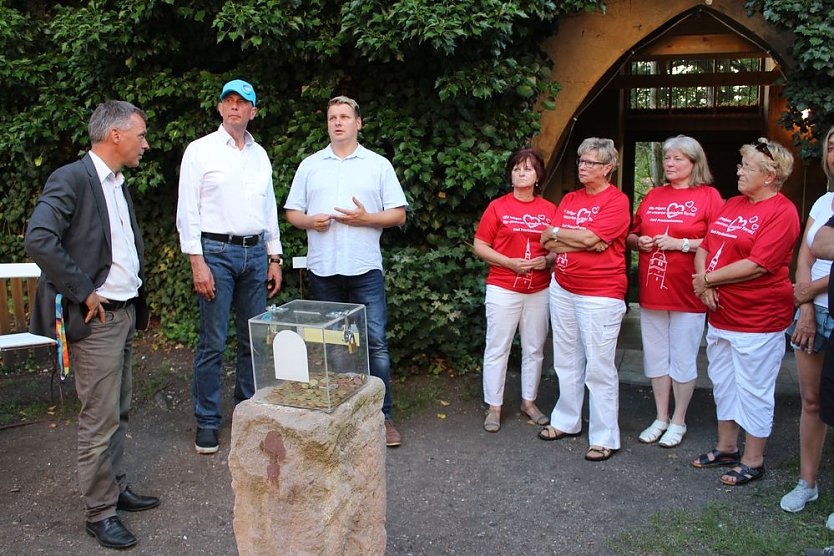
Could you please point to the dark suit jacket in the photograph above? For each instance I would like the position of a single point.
(69, 238)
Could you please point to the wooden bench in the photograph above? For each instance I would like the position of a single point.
(17, 294)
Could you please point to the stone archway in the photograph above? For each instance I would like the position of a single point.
(590, 48)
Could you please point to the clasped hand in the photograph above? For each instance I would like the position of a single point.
(352, 217)
(707, 294)
(522, 266)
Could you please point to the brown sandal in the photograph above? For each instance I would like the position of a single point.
(598, 453)
(552, 433)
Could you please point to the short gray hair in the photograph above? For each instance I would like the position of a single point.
(773, 157)
(345, 100)
(111, 114)
(606, 151)
(692, 150)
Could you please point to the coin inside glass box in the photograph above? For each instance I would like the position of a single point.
(309, 354)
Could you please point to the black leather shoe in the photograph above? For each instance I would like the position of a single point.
(110, 533)
(129, 501)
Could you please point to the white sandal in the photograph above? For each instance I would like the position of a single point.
(654, 431)
(673, 436)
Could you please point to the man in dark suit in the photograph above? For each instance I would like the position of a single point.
(84, 236)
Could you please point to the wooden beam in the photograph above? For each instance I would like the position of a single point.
(700, 46)
(695, 80)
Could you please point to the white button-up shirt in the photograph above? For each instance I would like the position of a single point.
(122, 282)
(226, 190)
(323, 182)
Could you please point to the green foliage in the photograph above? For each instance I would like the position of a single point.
(435, 308)
(810, 84)
(448, 90)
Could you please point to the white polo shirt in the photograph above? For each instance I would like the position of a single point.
(323, 182)
(225, 190)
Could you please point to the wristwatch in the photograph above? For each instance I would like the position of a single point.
(554, 232)
(276, 259)
(685, 246)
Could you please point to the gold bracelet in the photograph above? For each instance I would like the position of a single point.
(706, 280)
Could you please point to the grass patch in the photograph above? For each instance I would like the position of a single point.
(414, 394)
(743, 527)
(16, 412)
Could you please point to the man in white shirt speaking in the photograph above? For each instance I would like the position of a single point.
(227, 219)
(344, 195)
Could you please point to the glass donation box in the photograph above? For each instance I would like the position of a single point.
(309, 354)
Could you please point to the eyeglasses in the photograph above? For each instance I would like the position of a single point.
(762, 148)
(747, 168)
(586, 162)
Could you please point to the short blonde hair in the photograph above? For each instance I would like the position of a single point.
(772, 157)
(345, 100)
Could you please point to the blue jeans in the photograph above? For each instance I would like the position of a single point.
(369, 290)
(240, 279)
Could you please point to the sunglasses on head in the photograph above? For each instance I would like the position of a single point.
(762, 148)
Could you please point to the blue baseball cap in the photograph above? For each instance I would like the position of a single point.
(241, 87)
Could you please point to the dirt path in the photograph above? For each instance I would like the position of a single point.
(452, 488)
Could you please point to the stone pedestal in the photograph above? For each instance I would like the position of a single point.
(310, 482)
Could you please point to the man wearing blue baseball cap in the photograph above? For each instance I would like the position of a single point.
(227, 219)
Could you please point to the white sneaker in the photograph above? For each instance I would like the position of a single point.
(795, 500)
(830, 522)
(653, 432)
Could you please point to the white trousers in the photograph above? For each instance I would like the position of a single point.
(743, 367)
(671, 340)
(585, 331)
(507, 311)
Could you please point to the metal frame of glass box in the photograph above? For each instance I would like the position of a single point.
(309, 354)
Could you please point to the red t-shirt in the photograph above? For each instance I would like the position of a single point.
(513, 228)
(666, 276)
(606, 214)
(766, 233)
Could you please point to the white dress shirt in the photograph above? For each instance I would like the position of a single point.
(123, 280)
(323, 182)
(226, 190)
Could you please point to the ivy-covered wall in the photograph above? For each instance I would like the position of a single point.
(448, 90)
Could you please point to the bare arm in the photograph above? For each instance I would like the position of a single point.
(739, 271)
(360, 217)
(485, 251)
(805, 290)
(823, 247)
(567, 241)
(302, 221)
(669, 243)
(708, 296)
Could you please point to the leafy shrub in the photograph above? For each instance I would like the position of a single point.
(435, 308)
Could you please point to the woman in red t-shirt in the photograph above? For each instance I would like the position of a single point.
(516, 292)
(667, 229)
(741, 275)
(587, 300)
